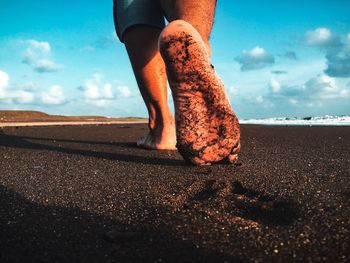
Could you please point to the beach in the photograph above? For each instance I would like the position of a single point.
(86, 193)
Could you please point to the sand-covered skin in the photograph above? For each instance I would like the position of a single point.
(88, 194)
(207, 129)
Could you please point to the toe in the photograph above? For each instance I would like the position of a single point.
(199, 161)
(237, 148)
(233, 156)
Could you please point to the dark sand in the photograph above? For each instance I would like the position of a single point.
(87, 194)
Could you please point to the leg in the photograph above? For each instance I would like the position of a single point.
(142, 46)
(199, 13)
(206, 127)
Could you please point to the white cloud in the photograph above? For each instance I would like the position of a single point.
(317, 89)
(100, 103)
(336, 49)
(107, 91)
(94, 89)
(4, 80)
(38, 55)
(318, 37)
(274, 85)
(324, 87)
(54, 96)
(232, 91)
(91, 90)
(259, 99)
(45, 65)
(98, 93)
(28, 93)
(101, 94)
(293, 101)
(313, 104)
(23, 97)
(256, 58)
(338, 61)
(257, 52)
(41, 46)
(124, 91)
(13, 95)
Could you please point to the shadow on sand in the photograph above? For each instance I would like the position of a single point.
(25, 142)
(32, 232)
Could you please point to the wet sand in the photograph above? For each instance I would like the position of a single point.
(87, 194)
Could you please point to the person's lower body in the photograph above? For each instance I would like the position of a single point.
(138, 24)
(207, 130)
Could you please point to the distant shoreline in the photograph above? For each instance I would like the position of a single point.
(36, 118)
(65, 123)
(10, 118)
(77, 123)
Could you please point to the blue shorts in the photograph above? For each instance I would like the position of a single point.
(128, 13)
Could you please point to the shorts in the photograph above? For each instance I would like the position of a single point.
(128, 13)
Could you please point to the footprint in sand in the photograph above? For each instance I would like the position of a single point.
(231, 200)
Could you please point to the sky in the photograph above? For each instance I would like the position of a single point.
(276, 58)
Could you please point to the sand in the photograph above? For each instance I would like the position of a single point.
(87, 194)
(22, 118)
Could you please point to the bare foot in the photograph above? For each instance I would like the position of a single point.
(159, 138)
(207, 129)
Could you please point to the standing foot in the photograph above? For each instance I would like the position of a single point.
(159, 138)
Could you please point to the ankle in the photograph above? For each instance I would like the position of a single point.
(163, 123)
(160, 121)
(162, 115)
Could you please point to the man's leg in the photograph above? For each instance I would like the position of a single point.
(200, 14)
(142, 46)
(206, 127)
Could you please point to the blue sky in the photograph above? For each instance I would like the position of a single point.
(276, 58)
